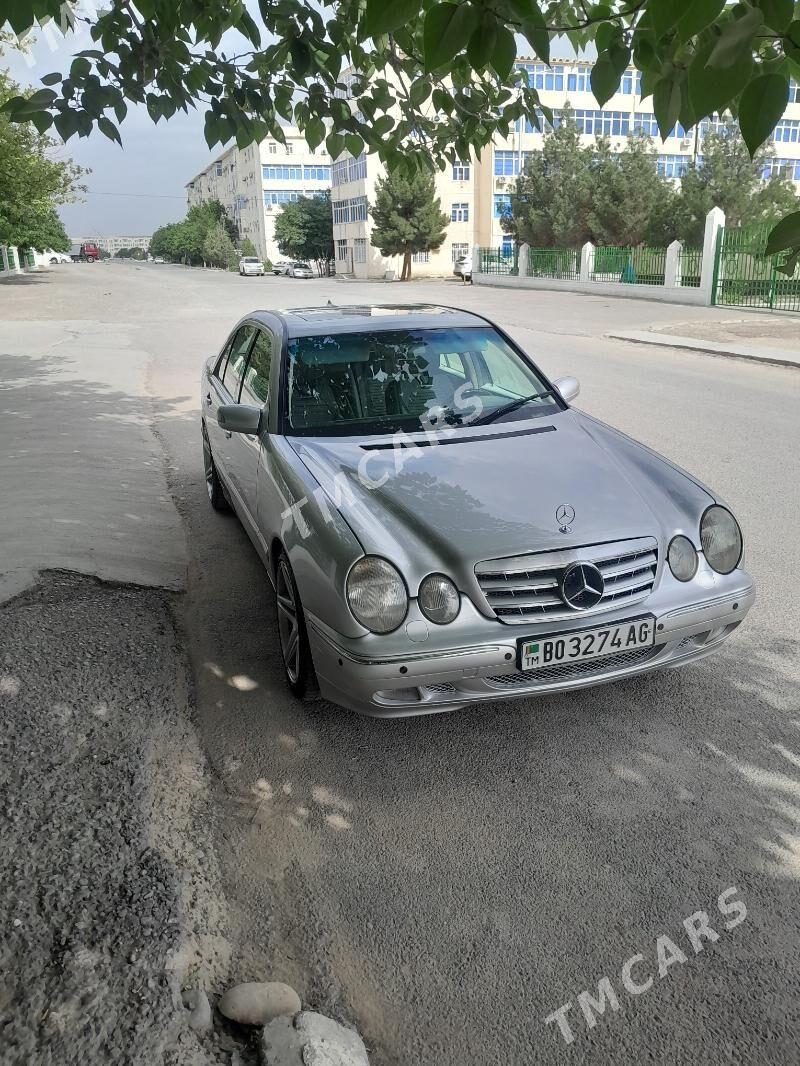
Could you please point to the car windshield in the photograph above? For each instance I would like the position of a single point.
(386, 380)
(250, 259)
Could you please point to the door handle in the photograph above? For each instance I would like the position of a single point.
(208, 398)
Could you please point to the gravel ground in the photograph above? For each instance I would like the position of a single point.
(106, 880)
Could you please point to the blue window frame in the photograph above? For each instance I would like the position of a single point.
(502, 204)
(507, 249)
(460, 171)
(316, 172)
(275, 172)
(788, 129)
(672, 166)
(281, 196)
(459, 212)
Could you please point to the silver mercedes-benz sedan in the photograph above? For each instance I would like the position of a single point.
(442, 527)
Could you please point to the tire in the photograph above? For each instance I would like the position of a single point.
(214, 489)
(298, 667)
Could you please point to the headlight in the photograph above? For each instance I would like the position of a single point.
(721, 538)
(438, 599)
(377, 594)
(682, 558)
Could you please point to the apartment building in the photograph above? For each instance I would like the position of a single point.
(113, 244)
(475, 193)
(253, 182)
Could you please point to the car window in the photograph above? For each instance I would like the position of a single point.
(382, 380)
(237, 356)
(255, 384)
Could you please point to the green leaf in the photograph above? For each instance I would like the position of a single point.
(51, 79)
(419, 93)
(107, 127)
(711, 90)
(383, 125)
(667, 105)
(789, 265)
(504, 52)
(777, 13)
(761, 106)
(383, 16)
(786, 234)
(315, 132)
(447, 29)
(39, 100)
(665, 13)
(42, 120)
(536, 33)
(607, 72)
(354, 144)
(482, 42)
(334, 142)
(701, 14)
(66, 122)
(736, 39)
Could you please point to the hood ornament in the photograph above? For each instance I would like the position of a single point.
(565, 514)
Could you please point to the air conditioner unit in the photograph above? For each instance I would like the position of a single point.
(685, 144)
(501, 183)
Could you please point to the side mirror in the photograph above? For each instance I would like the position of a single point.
(568, 388)
(239, 418)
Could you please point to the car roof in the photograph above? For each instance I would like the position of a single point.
(358, 318)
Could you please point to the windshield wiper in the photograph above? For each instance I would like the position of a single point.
(505, 408)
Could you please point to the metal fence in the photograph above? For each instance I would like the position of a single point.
(690, 265)
(632, 266)
(498, 261)
(745, 277)
(564, 263)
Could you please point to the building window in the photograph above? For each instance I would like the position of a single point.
(460, 171)
(272, 148)
(354, 210)
(788, 129)
(360, 250)
(349, 169)
(794, 92)
(509, 164)
(459, 213)
(507, 249)
(273, 172)
(318, 172)
(786, 168)
(458, 250)
(646, 123)
(578, 81)
(421, 257)
(502, 204)
(341, 250)
(281, 196)
(218, 170)
(541, 76)
(288, 148)
(672, 166)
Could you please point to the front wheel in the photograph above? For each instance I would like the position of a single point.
(216, 493)
(295, 649)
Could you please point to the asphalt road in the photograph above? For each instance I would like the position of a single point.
(446, 883)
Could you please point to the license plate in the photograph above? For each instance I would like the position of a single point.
(585, 644)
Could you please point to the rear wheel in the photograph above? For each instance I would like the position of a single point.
(295, 650)
(216, 493)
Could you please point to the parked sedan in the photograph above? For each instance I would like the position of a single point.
(249, 265)
(281, 266)
(441, 527)
(299, 270)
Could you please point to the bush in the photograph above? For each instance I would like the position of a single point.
(268, 265)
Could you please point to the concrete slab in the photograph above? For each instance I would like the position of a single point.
(761, 353)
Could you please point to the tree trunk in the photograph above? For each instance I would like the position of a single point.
(405, 274)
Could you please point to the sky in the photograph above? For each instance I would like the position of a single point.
(131, 190)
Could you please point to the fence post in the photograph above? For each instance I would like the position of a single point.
(522, 261)
(587, 261)
(13, 259)
(672, 266)
(476, 259)
(715, 221)
(4, 254)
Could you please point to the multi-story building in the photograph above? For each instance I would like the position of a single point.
(474, 194)
(253, 182)
(113, 244)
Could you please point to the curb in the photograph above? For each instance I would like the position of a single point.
(754, 353)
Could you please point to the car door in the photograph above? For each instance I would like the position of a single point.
(254, 392)
(223, 387)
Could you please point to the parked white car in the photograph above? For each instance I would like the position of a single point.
(50, 258)
(463, 267)
(299, 270)
(249, 264)
(282, 266)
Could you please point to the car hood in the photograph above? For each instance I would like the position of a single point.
(493, 491)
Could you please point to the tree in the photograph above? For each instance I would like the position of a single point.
(185, 241)
(248, 249)
(408, 218)
(551, 201)
(123, 253)
(32, 183)
(630, 201)
(725, 176)
(304, 230)
(137, 253)
(218, 248)
(453, 83)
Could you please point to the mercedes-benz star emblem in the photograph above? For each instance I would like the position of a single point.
(582, 586)
(565, 514)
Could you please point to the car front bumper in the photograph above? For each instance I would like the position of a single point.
(447, 679)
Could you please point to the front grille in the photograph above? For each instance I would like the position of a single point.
(527, 588)
(567, 671)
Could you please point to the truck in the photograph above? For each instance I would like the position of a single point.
(84, 253)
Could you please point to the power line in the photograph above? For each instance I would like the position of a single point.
(141, 195)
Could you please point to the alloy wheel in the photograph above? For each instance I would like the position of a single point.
(288, 627)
